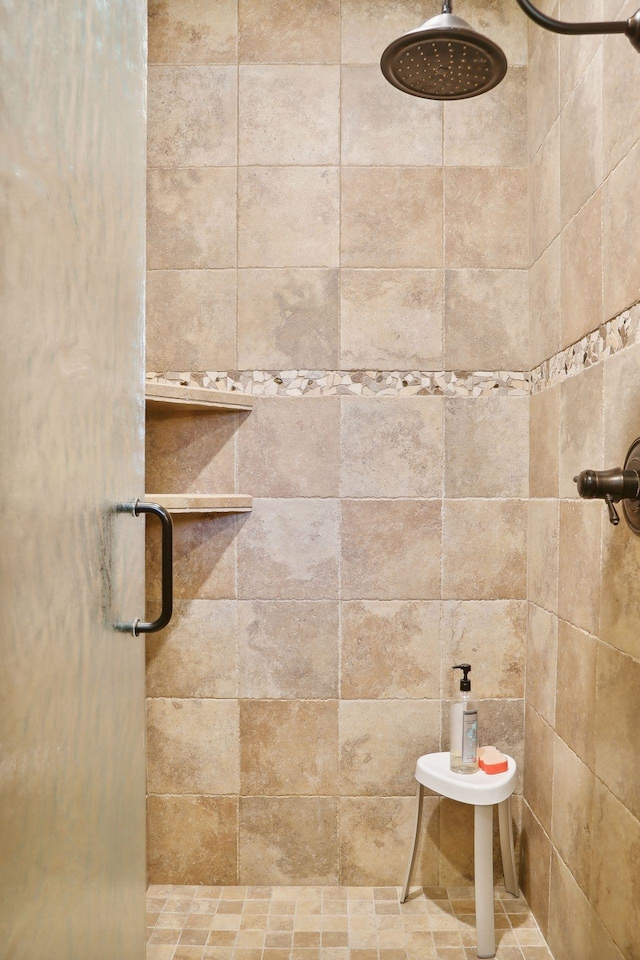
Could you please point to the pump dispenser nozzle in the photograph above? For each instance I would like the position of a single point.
(463, 727)
(465, 683)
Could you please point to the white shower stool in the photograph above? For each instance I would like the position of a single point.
(483, 790)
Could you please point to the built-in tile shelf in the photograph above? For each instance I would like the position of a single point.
(196, 398)
(168, 396)
(202, 502)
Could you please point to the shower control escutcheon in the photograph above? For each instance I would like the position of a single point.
(614, 486)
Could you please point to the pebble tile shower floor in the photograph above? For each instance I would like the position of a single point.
(331, 923)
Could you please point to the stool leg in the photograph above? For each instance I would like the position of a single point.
(506, 847)
(483, 869)
(416, 834)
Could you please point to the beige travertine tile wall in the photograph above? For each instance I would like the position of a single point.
(581, 827)
(303, 214)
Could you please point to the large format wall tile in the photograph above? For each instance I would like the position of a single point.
(501, 723)
(575, 718)
(390, 648)
(544, 446)
(487, 447)
(544, 304)
(391, 549)
(391, 319)
(192, 31)
(544, 195)
(620, 112)
(543, 553)
(571, 830)
(193, 746)
(491, 130)
(204, 558)
(289, 114)
(303, 202)
(581, 136)
(581, 245)
(485, 217)
(376, 835)
(192, 116)
(380, 741)
(579, 581)
(288, 550)
(288, 649)
(503, 24)
(279, 31)
(484, 549)
(492, 636)
(391, 217)
(196, 655)
(570, 941)
(368, 26)
(544, 105)
(621, 404)
(602, 946)
(617, 759)
(455, 845)
(189, 451)
(535, 866)
(191, 319)
(486, 320)
(391, 449)
(576, 52)
(290, 448)
(192, 840)
(620, 591)
(191, 218)
(538, 766)
(620, 588)
(581, 426)
(288, 318)
(383, 126)
(542, 648)
(288, 747)
(614, 869)
(288, 840)
(621, 226)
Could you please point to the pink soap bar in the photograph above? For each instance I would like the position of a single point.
(492, 761)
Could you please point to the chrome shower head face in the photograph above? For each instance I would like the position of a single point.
(444, 59)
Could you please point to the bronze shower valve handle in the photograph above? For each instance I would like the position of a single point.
(613, 486)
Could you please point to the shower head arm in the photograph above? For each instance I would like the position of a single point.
(630, 27)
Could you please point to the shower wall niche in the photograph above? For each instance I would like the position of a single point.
(349, 254)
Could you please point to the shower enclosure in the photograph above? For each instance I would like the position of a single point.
(72, 770)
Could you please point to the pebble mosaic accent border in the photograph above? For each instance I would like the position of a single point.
(360, 383)
(610, 338)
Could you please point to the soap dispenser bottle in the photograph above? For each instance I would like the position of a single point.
(463, 731)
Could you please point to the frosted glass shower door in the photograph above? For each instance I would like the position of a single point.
(72, 208)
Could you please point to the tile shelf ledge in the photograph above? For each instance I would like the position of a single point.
(196, 398)
(202, 502)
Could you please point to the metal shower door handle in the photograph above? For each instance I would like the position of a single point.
(138, 626)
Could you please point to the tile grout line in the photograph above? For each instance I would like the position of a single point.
(331, 911)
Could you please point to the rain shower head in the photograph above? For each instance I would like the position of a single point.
(444, 59)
